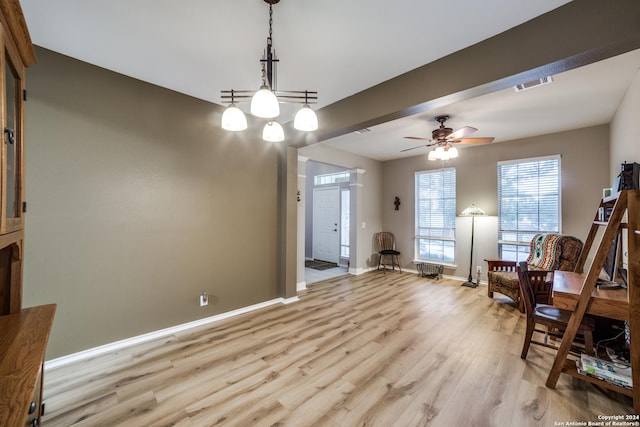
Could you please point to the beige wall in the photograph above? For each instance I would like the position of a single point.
(138, 203)
(625, 132)
(585, 172)
(625, 129)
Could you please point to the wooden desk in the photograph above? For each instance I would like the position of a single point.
(567, 285)
(612, 303)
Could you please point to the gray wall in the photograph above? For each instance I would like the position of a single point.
(138, 202)
(585, 171)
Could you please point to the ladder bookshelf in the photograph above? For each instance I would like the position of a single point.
(625, 202)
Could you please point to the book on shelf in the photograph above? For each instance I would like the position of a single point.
(614, 373)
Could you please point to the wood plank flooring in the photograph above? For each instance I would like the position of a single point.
(370, 350)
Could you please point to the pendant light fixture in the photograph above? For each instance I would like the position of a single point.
(265, 102)
(233, 118)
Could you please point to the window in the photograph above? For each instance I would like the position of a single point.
(436, 215)
(332, 178)
(345, 205)
(528, 203)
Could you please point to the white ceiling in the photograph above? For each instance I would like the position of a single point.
(583, 97)
(337, 47)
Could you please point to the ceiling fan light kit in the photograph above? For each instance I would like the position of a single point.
(442, 139)
(265, 102)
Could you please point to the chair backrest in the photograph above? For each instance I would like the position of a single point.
(385, 241)
(554, 252)
(536, 282)
(528, 298)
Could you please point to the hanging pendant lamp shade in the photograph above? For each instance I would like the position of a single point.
(233, 119)
(273, 132)
(265, 104)
(306, 119)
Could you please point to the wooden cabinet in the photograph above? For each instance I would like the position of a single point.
(624, 205)
(23, 332)
(16, 54)
(23, 340)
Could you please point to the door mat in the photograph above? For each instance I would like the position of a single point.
(317, 264)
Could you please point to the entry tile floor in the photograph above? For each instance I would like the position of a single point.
(313, 276)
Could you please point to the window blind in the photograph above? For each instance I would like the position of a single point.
(435, 218)
(528, 203)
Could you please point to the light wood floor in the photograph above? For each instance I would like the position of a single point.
(373, 350)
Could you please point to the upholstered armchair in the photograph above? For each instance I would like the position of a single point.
(547, 252)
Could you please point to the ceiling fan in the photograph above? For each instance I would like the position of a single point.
(444, 136)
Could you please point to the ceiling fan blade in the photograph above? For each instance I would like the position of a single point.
(417, 138)
(413, 148)
(462, 132)
(486, 140)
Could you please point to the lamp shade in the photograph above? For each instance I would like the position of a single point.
(273, 132)
(233, 119)
(306, 119)
(453, 152)
(472, 210)
(264, 103)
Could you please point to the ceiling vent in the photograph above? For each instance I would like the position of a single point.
(363, 130)
(532, 84)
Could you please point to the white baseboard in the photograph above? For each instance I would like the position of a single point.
(128, 342)
(301, 286)
(290, 300)
(359, 271)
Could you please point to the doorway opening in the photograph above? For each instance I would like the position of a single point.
(327, 217)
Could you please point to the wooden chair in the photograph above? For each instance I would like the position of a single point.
(386, 246)
(555, 319)
(546, 252)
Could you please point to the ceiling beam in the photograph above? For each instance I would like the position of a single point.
(576, 34)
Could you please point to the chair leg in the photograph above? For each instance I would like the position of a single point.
(527, 339)
(398, 263)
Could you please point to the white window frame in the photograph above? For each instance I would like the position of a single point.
(345, 221)
(332, 178)
(431, 233)
(516, 248)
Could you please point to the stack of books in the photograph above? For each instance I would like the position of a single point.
(614, 373)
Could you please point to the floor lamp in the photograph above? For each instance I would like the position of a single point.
(472, 211)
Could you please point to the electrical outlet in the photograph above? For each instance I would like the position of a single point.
(204, 299)
(478, 269)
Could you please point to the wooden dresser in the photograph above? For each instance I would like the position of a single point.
(24, 332)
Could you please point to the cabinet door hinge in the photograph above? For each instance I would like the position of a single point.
(24, 95)
(24, 206)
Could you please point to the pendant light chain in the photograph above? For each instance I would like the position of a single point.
(270, 22)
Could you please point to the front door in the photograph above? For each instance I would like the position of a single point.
(326, 220)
